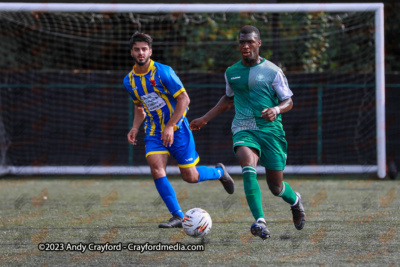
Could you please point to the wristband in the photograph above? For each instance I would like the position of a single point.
(278, 110)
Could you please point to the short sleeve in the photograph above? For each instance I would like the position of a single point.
(129, 88)
(229, 92)
(171, 81)
(281, 86)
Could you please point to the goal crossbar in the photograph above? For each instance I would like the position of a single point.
(166, 8)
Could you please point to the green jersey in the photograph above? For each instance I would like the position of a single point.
(256, 88)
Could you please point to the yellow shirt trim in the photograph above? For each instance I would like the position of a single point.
(179, 92)
(149, 69)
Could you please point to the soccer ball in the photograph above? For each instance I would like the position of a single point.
(197, 222)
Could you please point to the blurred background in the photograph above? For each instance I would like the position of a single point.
(63, 102)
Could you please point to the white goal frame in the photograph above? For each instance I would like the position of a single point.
(379, 168)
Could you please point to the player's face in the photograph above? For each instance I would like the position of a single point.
(141, 53)
(249, 45)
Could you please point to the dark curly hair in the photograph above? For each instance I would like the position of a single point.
(140, 37)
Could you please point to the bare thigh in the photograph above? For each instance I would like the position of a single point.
(158, 164)
(247, 156)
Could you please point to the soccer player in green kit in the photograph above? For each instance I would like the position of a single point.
(260, 93)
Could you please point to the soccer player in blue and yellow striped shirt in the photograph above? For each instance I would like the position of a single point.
(161, 102)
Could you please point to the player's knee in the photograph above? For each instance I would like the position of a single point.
(275, 190)
(156, 172)
(190, 177)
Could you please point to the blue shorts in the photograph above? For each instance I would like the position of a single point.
(183, 148)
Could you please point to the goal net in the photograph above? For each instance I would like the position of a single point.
(64, 109)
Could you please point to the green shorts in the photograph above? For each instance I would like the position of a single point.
(272, 149)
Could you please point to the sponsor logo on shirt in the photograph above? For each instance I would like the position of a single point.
(234, 78)
(153, 101)
(189, 159)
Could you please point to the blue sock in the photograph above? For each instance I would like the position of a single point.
(208, 173)
(167, 193)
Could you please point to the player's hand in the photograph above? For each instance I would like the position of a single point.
(168, 136)
(132, 136)
(269, 114)
(196, 124)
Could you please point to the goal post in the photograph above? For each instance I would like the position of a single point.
(342, 78)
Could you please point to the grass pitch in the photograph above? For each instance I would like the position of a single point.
(349, 222)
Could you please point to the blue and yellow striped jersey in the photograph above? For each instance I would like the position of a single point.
(156, 90)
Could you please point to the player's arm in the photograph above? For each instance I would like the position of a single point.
(223, 105)
(270, 114)
(140, 116)
(183, 102)
(284, 94)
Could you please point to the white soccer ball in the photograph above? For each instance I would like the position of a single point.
(197, 222)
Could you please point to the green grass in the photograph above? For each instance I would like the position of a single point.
(350, 221)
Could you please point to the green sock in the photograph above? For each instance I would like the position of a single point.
(252, 191)
(288, 194)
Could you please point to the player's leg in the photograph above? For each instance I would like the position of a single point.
(184, 151)
(203, 173)
(274, 160)
(282, 189)
(247, 153)
(157, 158)
(199, 174)
(248, 158)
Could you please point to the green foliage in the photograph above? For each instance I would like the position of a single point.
(297, 42)
(311, 43)
(315, 58)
